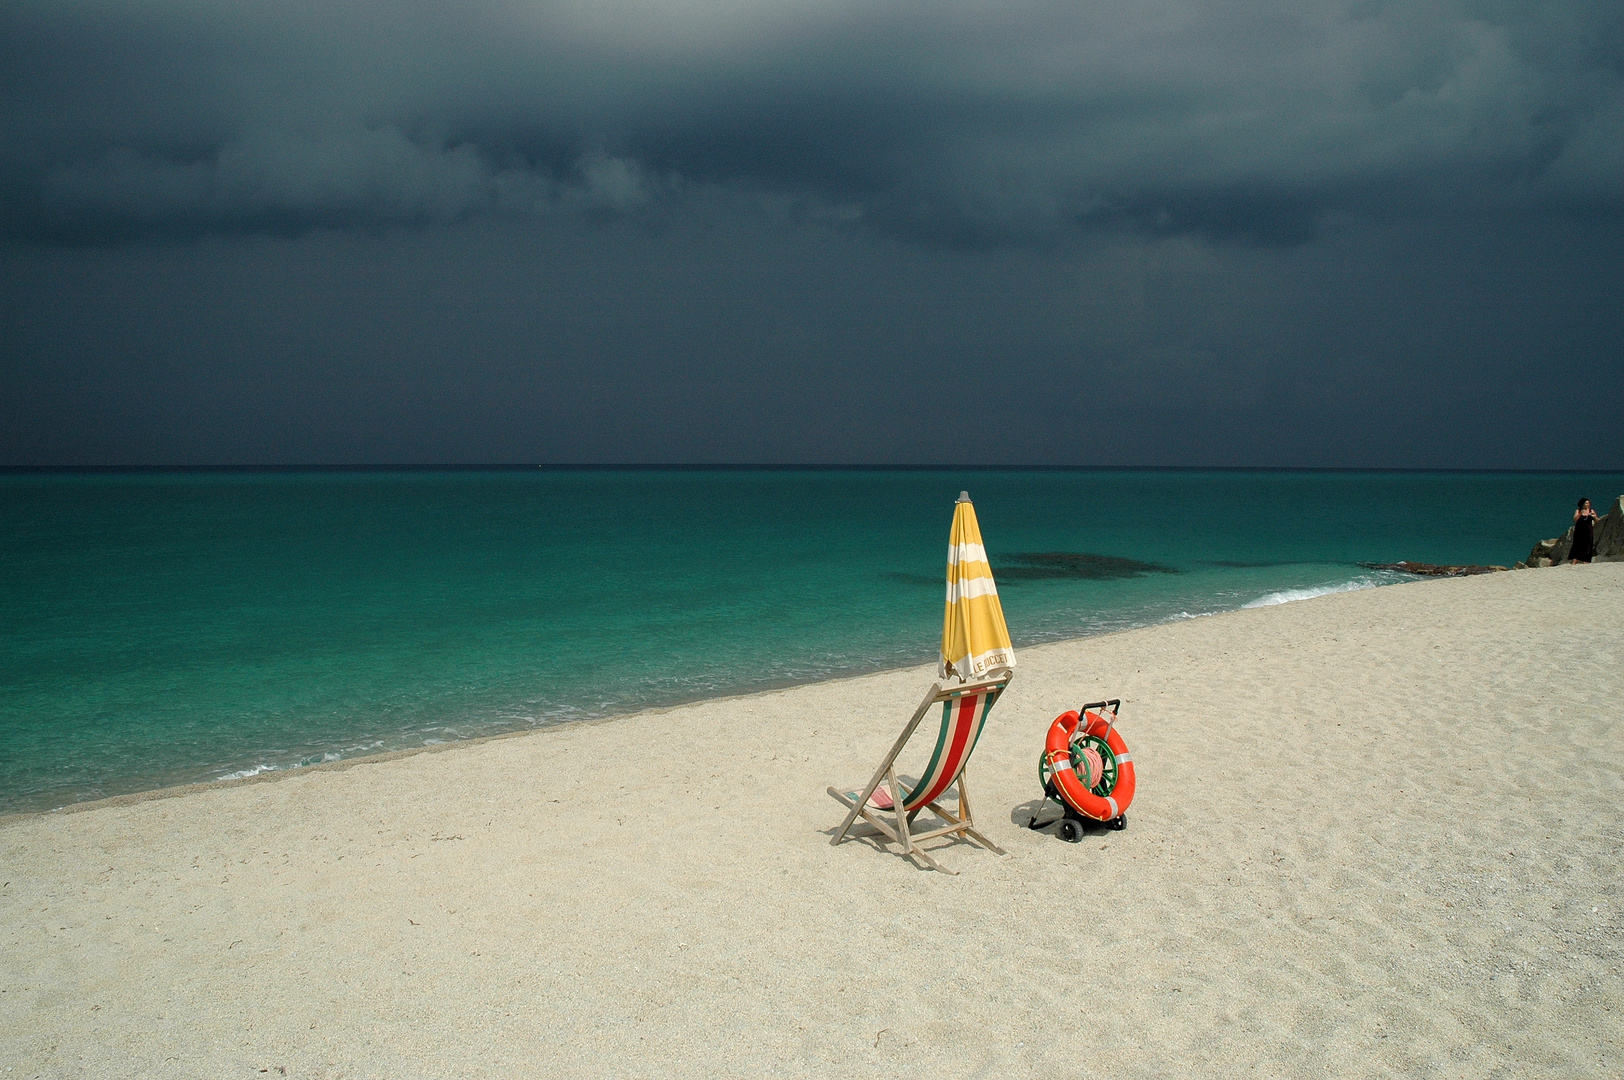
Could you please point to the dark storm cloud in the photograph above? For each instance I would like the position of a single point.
(961, 122)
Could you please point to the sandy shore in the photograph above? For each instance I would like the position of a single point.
(1377, 834)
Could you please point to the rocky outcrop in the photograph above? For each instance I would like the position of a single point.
(1551, 552)
(1610, 534)
(1609, 541)
(1426, 569)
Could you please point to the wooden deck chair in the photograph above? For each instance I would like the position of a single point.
(964, 713)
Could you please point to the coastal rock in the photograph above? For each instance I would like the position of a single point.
(1609, 537)
(1552, 551)
(1435, 570)
(1610, 534)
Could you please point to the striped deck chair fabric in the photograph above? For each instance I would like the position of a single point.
(964, 714)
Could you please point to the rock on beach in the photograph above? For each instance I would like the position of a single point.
(1609, 541)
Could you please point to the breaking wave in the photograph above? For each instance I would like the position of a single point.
(1286, 596)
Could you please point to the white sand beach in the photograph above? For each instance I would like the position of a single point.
(1376, 834)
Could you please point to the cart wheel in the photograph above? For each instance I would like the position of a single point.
(1120, 823)
(1070, 831)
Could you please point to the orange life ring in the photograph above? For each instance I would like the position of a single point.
(1060, 765)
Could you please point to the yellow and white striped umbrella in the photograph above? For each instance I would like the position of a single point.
(974, 637)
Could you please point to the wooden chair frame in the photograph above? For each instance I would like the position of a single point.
(899, 829)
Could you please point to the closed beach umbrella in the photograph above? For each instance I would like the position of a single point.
(974, 637)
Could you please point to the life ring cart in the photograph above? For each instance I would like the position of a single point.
(1087, 769)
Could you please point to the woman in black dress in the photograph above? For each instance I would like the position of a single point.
(1584, 533)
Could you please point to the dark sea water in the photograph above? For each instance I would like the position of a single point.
(170, 628)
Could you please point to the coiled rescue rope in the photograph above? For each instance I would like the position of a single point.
(1087, 765)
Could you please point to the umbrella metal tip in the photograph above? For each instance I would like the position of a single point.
(964, 496)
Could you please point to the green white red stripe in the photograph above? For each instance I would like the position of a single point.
(963, 717)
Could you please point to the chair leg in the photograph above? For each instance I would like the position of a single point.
(909, 848)
(969, 820)
(887, 764)
(866, 816)
(902, 816)
(919, 853)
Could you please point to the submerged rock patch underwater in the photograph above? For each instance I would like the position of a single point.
(1041, 565)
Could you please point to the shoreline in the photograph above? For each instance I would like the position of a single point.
(176, 791)
(1347, 856)
(167, 791)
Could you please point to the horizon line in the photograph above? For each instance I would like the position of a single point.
(336, 467)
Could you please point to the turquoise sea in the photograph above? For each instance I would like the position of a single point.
(171, 628)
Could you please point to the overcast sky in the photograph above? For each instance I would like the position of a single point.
(1295, 233)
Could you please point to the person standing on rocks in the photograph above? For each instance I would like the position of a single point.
(1584, 533)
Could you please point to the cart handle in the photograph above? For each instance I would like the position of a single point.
(1115, 705)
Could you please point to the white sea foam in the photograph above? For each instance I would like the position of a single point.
(243, 774)
(1286, 596)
